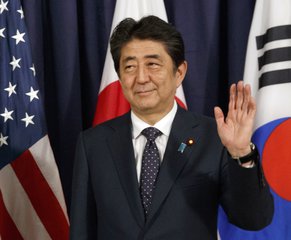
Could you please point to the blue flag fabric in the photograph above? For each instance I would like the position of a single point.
(70, 40)
(32, 204)
(22, 120)
(267, 70)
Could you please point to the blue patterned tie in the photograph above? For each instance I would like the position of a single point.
(149, 168)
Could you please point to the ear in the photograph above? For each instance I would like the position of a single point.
(180, 73)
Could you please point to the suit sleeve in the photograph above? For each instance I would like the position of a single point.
(246, 197)
(83, 218)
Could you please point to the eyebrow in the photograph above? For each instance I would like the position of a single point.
(129, 58)
(156, 56)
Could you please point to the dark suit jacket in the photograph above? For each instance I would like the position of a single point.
(106, 203)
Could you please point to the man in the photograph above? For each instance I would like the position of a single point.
(160, 172)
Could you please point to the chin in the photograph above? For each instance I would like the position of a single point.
(145, 103)
(145, 107)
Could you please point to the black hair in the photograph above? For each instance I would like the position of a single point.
(147, 28)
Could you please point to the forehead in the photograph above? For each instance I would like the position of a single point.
(140, 48)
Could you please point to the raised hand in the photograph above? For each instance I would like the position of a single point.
(235, 131)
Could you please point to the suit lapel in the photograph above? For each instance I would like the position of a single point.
(123, 156)
(174, 160)
(120, 144)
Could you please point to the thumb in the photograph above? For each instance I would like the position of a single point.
(219, 116)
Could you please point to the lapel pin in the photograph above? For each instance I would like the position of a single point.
(182, 147)
(190, 141)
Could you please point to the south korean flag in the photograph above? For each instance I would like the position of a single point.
(268, 71)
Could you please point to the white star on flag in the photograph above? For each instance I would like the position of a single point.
(15, 63)
(18, 37)
(3, 6)
(32, 69)
(24, 143)
(3, 140)
(10, 89)
(7, 115)
(2, 32)
(21, 13)
(32, 94)
(28, 119)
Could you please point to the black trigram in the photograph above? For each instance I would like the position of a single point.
(275, 55)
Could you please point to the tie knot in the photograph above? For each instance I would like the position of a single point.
(151, 133)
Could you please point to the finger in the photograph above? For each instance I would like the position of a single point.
(246, 98)
(249, 105)
(239, 95)
(232, 96)
(219, 116)
(252, 107)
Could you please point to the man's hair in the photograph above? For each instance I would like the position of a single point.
(147, 28)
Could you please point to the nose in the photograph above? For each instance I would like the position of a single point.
(142, 75)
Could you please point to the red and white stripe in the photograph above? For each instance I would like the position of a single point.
(111, 102)
(32, 204)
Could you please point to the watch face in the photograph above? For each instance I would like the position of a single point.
(253, 146)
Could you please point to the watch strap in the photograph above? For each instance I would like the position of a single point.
(252, 156)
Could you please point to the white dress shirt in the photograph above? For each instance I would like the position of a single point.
(139, 140)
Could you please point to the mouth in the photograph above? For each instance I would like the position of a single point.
(144, 92)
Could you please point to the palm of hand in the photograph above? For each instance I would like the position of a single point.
(235, 130)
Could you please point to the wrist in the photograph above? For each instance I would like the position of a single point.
(249, 159)
(237, 153)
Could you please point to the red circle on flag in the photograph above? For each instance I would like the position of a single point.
(276, 159)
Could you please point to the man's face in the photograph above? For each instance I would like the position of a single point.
(147, 77)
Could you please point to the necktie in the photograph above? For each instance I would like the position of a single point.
(150, 167)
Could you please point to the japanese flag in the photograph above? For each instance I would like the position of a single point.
(111, 102)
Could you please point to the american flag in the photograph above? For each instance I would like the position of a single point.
(32, 204)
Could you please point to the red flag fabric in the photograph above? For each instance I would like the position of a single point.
(32, 204)
(111, 102)
(268, 71)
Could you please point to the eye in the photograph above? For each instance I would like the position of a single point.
(129, 68)
(153, 65)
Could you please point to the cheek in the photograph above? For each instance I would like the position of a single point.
(126, 85)
(168, 87)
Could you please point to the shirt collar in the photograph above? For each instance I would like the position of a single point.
(164, 125)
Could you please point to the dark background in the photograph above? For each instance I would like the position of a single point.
(69, 40)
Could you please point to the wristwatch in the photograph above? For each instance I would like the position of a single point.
(252, 156)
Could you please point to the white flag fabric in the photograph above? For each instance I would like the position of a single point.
(268, 71)
(111, 102)
(268, 60)
(32, 204)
